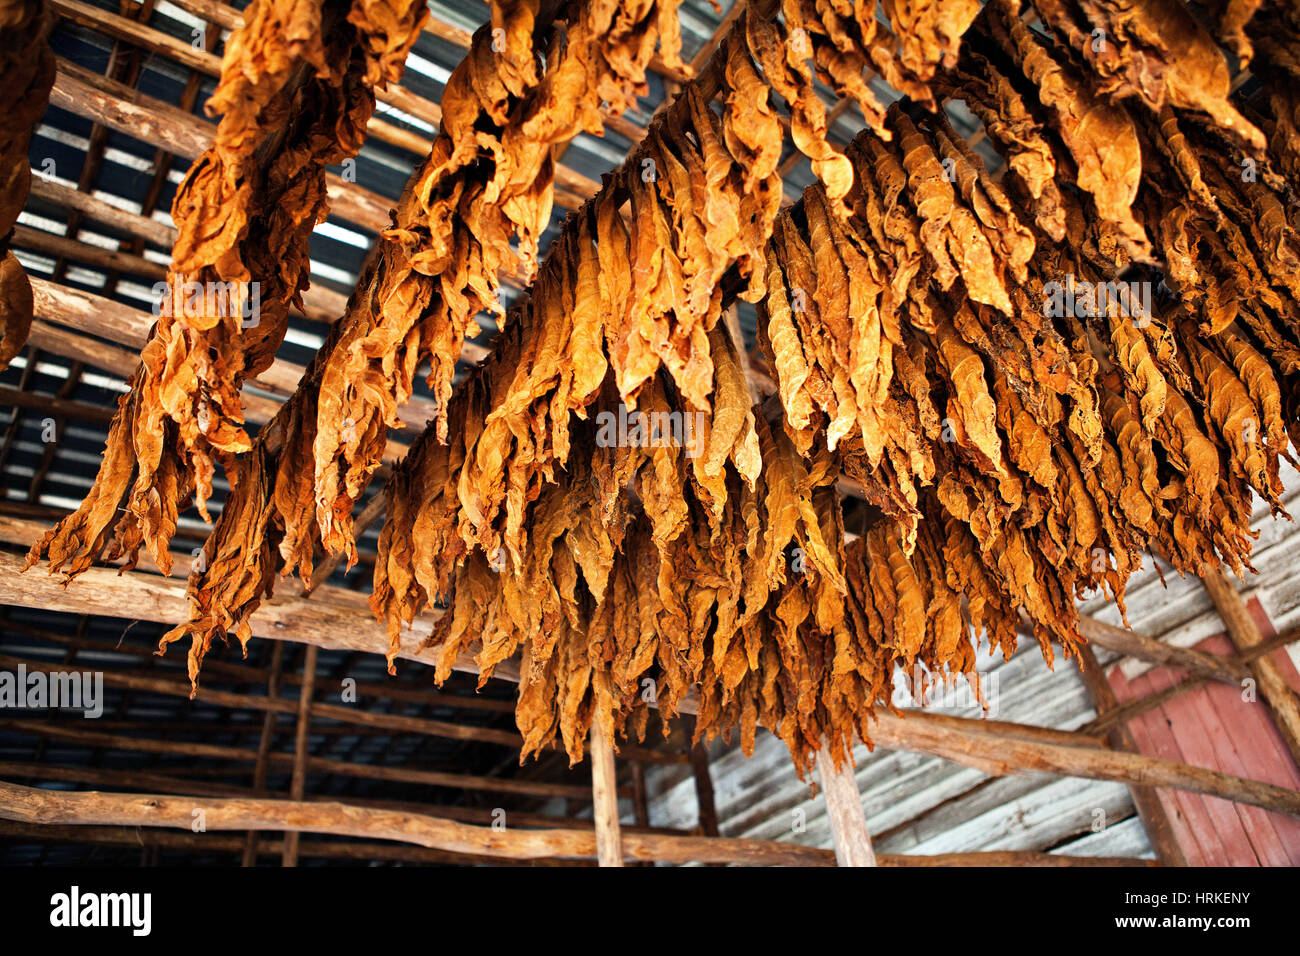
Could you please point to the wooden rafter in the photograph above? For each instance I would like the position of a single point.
(263, 761)
(604, 795)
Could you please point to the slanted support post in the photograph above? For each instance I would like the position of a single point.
(844, 809)
(1281, 700)
(604, 792)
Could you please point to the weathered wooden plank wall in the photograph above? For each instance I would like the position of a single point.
(1213, 726)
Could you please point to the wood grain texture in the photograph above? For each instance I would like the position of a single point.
(1159, 829)
(1282, 701)
(849, 833)
(46, 807)
(604, 792)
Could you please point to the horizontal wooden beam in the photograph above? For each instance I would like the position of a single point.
(21, 522)
(95, 314)
(53, 406)
(151, 230)
(64, 730)
(323, 621)
(964, 741)
(98, 315)
(17, 529)
(400, 853)
(141, 781)
(1144, 648)
(109, 260)
(51, 808)
(952, 738)
(60, 340)
(217, 843)
(1009, 729)
(126, 110)
(31, 805)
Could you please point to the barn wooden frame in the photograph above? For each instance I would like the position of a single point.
(96, 333)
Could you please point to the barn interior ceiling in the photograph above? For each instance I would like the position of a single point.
(712, 371)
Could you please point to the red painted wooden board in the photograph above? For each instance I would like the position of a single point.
(1199, 839)
(1212, 726)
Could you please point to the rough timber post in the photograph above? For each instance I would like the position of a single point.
(1152, 812)
(604, 792)
(844, 809)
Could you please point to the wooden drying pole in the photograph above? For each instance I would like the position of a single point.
(1128, 711)
(147, 781)
(1281, 700)
(698, 754)
(1155, 820)
(49, 807)
(706, 822)
(640, 795)
(397, 852)
(213, 843)
(604, 793)
(1144, 648)
(848, 820)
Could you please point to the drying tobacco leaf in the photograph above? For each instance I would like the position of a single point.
(1099, 135)
(1015, 453)
(929, 32)
(1155, 51)
(489, 178)
(244, 215)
